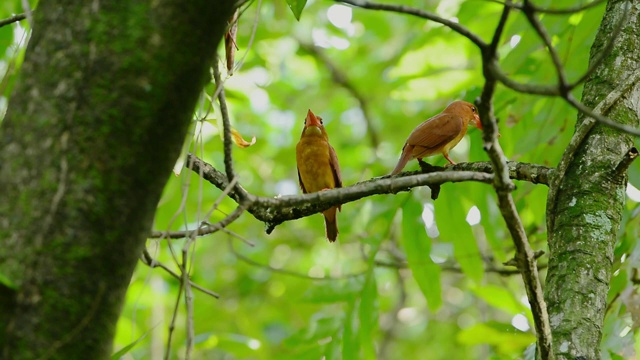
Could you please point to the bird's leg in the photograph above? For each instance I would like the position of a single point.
(446, 156)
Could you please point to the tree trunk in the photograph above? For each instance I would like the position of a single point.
(93, 128)
(591, 196)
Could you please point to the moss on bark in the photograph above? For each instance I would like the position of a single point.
(590, 201)
(92, 131)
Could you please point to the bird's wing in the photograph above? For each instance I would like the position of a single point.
(436, 132)
(304, 191)
(335, 168)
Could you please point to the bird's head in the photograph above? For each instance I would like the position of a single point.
(313, 125)
(467, 111)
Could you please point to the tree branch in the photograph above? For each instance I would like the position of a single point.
(274, 211)
(504, 187)
(402, 9)
(529, 12)
(11, 20)
(566, 11)
(622, 167)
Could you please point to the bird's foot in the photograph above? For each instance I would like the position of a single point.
(428, 168)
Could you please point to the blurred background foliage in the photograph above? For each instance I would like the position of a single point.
(409, 277)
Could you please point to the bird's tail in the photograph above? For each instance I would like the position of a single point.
(331, 223)
(407, 151)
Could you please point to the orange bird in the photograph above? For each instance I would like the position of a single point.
(439, 134)
(318, 167)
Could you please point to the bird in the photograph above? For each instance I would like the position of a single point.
(439, 134)
(318, 167)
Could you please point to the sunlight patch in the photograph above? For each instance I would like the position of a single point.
(473, 216)
(520, 322)
(633, 193)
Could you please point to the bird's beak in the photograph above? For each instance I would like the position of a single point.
(477, 122)
(312, 120)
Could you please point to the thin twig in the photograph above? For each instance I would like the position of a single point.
(402, 9)
(226, 124)
(504, 187)
(601, 119)
(454, 268)
(12, 19)
(529, 12)
(148, 260)
(566, 11)
(172, 324)
(188, 299)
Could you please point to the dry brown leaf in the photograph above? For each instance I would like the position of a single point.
(238, 140)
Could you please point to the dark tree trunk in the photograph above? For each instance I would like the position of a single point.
(93, 128)
(590, 200)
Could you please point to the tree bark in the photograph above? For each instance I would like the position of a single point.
(590, 198)
(93, 128)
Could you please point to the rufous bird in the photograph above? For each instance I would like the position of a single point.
(318, 167)
(439, 134)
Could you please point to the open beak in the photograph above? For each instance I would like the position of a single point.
(312, 120)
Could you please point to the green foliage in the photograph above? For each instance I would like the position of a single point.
(340, 302)
(296, 7)
(417, 247)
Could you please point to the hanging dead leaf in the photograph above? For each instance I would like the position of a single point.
(230, 45)
(237, 138)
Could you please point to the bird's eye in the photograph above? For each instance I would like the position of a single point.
(473, 109)
(319, 118)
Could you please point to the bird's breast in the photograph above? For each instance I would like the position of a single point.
(313, 158)
(455, 140)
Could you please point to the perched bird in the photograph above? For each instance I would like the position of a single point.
(439, 134)
(318, 167)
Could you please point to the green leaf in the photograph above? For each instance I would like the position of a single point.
(500, 298)
(350, 339)
(4, 280)
(451, 214)
(417, 247)
(504, 337)
(368, 315)
(118, 354)
(615, 356)
(296, 7)
(368, 310)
